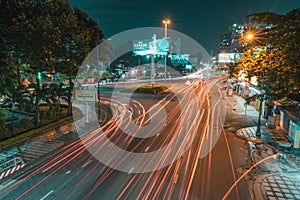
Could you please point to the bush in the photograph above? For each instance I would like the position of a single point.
(149, 89)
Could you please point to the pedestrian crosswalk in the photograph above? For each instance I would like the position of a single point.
(44, 144)
(39, 149)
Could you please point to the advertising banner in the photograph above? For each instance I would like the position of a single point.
(151, 46)
(228, 57)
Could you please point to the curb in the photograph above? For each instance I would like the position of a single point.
(257, 189)
(257, 141)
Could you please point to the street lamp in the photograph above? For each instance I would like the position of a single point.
(249, 36)
(98, 96)
(261, 97)
(166, 22)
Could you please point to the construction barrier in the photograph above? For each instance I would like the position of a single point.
(10, 167)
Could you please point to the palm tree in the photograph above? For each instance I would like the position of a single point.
(16, 96)
(37, 95)
(53, 95)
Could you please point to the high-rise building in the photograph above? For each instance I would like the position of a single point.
(225, 43)
(237, 31)
(229, 41)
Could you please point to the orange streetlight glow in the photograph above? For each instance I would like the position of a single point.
(166, 22)
(250, 36)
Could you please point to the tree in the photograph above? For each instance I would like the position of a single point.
(38, 93)
(16, 96)
(52, 95)
(253, 61)
(43, 35)
(282, 39)
(3, 130)
(78, 44)
(14, 28)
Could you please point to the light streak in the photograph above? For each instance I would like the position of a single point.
(245, 173)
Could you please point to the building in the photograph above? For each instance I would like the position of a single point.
(225, 43)
(237, 31)
(229, 42)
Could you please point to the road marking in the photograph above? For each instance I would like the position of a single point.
(10, 182)
(85, 164)
(130, 170)
(44, 197)
(127, 131)
(146, 149)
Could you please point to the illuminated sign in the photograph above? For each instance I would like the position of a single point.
(182, 58)
(228, 57)
(148, 46)
(189, 67)
(141, 45)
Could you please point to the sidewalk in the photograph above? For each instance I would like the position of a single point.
(41, 145)
(278, 186)
(275, 179)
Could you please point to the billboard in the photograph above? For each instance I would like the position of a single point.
(228, 57)
(141, 45)
(151, 46)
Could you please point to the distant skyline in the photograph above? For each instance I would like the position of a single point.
(203, 21)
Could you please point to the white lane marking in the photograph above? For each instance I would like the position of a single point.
(146, 149)
(44, 197)
(130, 170)
(7, 184)
(85, 164)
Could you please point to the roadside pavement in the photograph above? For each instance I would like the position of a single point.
(276, 178)
(42, 145)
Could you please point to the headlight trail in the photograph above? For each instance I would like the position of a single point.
(175, 180)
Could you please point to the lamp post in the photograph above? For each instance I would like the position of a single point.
(98, 84)
(166, 22)
(261, 97)
(250, 37)
(98, 96)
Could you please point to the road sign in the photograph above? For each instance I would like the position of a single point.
(85, 95)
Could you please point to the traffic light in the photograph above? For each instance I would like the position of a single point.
(39, 76)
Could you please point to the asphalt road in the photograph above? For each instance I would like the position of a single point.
(189, 128)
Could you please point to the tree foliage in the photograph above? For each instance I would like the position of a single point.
(273, 56)
(45, 35)
(42, 35)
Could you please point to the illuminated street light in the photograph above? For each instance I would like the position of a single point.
(166, 22)
(250, 36)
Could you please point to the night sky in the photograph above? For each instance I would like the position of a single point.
(203, 21)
